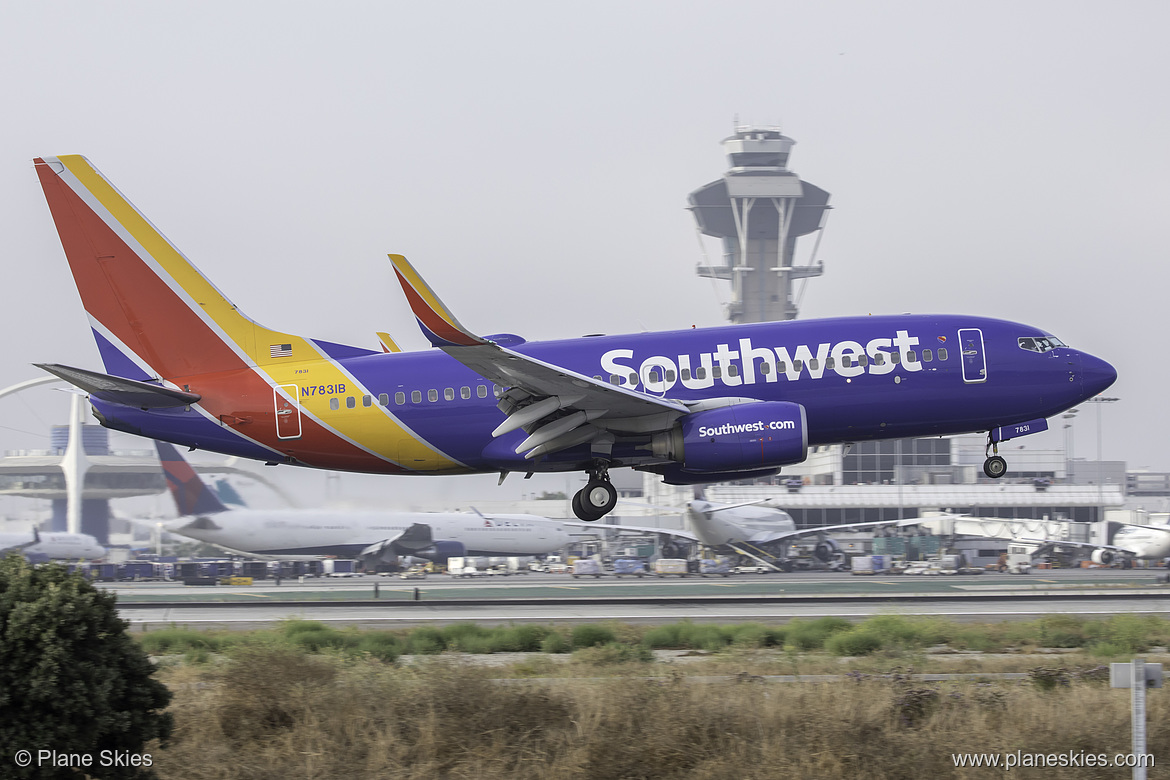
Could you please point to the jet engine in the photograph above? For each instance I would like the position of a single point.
(439, 552)
(1103, 557)
(743, 437)
(825, 550)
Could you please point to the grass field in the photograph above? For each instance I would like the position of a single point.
(307, 701)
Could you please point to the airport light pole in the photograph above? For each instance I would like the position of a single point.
(1100, 401)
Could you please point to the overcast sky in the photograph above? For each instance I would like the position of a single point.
(533, 160)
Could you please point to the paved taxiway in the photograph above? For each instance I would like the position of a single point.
(559, 598)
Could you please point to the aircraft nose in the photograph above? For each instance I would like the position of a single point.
(1097, 375)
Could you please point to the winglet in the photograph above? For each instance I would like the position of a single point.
(388, 344)
(436, 320)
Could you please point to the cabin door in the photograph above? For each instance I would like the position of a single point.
(974, 360)
(288, 411)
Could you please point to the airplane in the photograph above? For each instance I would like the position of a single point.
(39, 547)
(759, 531)
(697, 406)
(1127, 541)
(374, 537)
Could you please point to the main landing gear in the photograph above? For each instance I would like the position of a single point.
(598, 497)
(995, 466)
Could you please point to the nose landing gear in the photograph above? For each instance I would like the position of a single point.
(995, 466)
(598, 497)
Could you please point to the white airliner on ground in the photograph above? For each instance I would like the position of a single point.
(39, 547)
(371, 536)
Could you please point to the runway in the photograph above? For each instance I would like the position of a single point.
(561, 599)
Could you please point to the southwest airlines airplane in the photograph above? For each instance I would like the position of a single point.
(375, 537)
(185, 365)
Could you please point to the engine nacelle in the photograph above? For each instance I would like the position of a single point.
(743, 437)
(1103, 557)
(826, 549)
(439, 552)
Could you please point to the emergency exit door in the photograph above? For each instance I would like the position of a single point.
(288, 411)
(974, 361)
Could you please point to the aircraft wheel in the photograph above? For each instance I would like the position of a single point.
(995, 467)
(599, 497)
(581, 510)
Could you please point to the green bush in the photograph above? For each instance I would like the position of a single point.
(382, 645)
(425, 641)
(71, 678)
(859, 641)
(588, 635)
(555, 642)
(811, 635)
(177, 640)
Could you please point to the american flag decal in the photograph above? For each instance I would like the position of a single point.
(280, 350)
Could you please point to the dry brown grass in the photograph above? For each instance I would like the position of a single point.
(273, 712)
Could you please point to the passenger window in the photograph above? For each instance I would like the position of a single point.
(927, 356)
(830, 364)
(399, 399)
(895, 357)
(717, 372)
(686, 374)
(766, 368)
(497, 391)
(481, 391)
(879, 359)
(334, 404)
(367, 400)
(846, 361)
(633, 380)
(449, 394)
(733, 370)
(614, 379)
(798, 366)
(700, 373)
(669, 375)
(911, 356)
(942, 353)
(465, 392)
(416, 396)
(863, 360)
(781, 367)
(432, 395)
(813, 364)
(652, 376)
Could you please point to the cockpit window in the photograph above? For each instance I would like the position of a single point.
(1040, 343)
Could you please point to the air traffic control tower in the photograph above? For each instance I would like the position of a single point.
(759, 209)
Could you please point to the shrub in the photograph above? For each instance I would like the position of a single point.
(555, 642)
(426, 641)
(613, 653)
(177, 640)
(811, 635)
(71, 677)
(382, 645)
(859, 641)
(589, 635)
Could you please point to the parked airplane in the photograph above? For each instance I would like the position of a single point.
(763, 532)
(39, 547)
(1126, 540)
(371, 536)
(185, 365)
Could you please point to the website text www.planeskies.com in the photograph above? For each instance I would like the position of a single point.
(1069, 758)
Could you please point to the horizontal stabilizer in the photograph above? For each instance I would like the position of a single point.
(118, 390)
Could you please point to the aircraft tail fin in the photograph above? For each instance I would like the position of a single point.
(436, 320)
(152, 312)
(192, 496)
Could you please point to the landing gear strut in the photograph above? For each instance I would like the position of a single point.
(598, 497)
(995, 466)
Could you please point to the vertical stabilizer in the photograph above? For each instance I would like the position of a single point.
(192, 496)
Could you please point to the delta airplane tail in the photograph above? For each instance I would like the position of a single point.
(192, 496)
(153, 314)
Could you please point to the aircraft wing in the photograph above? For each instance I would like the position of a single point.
(766, 537)
(1066, 543)
(117, 390)
(535, 390)
(641, 529)
(416, 537)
